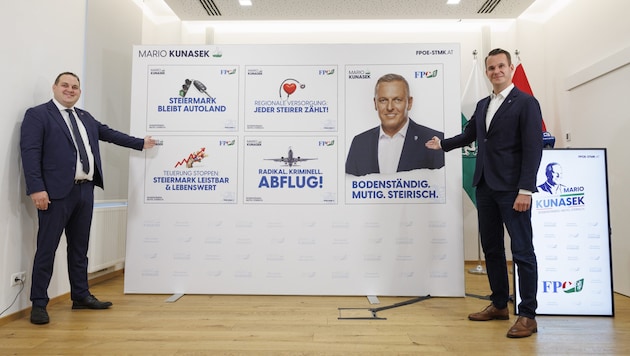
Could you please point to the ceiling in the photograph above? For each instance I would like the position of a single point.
(276, 10)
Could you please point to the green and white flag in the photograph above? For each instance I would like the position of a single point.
(476, 89)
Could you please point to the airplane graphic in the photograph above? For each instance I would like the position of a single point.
(290, 159)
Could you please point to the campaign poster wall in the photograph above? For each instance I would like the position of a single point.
(570, 218)
(248, 190)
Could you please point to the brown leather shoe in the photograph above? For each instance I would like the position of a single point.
(523, 327)
(490, 313)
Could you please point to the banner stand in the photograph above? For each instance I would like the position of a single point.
(356, 312)
(571, 226)
(173, 298)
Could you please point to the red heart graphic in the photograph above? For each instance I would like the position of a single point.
(289, 88)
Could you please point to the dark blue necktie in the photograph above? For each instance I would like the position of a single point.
(80, 145)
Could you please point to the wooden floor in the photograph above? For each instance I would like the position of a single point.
(303, 325)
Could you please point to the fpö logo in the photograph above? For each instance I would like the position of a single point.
(568, 287)
(426, 74)
(226, 71)
(326, 143)
(227, 142)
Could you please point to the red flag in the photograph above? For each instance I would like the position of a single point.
(520, 81)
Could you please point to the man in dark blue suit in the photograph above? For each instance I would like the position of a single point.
(62, 164)
(508, 129)
(396, 145)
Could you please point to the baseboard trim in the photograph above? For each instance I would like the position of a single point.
(63, 297)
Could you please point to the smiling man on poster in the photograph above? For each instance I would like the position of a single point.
(397, 144)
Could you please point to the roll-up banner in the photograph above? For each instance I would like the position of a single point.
(571, 222)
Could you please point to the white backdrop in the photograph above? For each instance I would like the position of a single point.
(218, 208)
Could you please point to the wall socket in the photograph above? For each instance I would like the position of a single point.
(17, 277)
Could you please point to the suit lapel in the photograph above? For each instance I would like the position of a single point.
(509, 100)
(58, 119)
(81, 117)
(507, 103)
(92, 139)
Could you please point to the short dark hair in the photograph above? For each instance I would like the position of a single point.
(497, 51)
(66, 73)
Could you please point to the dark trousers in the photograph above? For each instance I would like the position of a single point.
(73, 214)
(494, 209)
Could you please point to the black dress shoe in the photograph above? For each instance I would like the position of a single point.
(39, 315)
(90, 302)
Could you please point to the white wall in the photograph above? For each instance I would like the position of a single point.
(113, 27)
(68, 36)
(31, 58)
(580, 38)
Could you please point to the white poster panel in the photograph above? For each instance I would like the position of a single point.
(571, 225)
(291, 98)
(192, 98)
(192, 170)
(427, 87)
(249, 194)
(290, 170)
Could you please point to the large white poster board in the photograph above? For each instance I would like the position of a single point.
(247, 193)
(571, 225)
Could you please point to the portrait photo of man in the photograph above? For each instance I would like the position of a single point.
(552, 185)
(397, 144)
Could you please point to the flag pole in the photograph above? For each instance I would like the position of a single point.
(479, 269)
